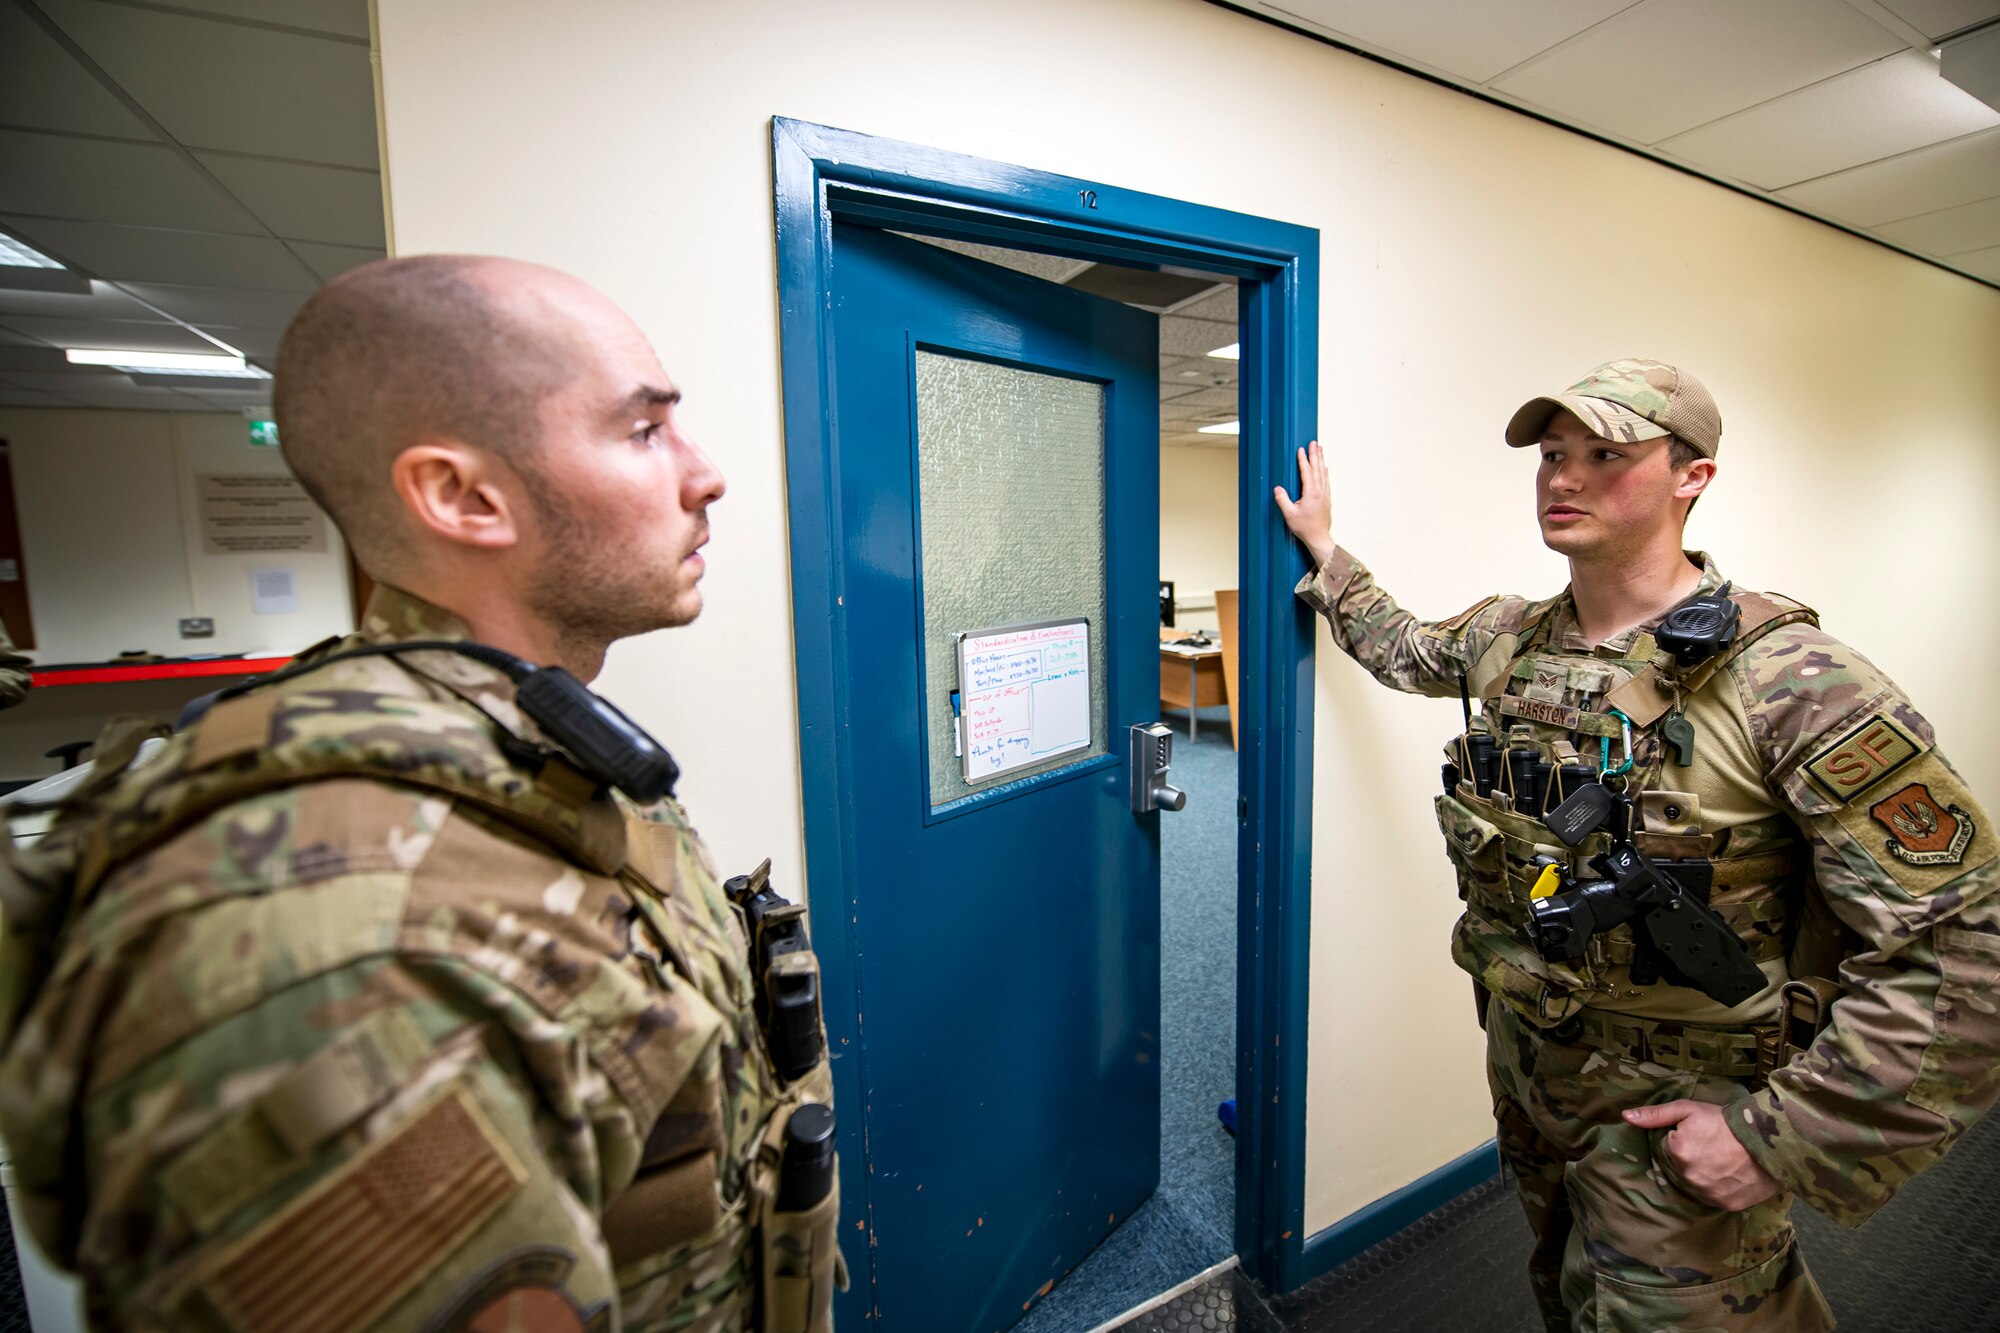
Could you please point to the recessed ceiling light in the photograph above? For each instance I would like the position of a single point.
(1233, 352)
(186, 363)
(13, 254)
(1222, 428)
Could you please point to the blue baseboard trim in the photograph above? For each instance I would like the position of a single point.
(1333, 1246)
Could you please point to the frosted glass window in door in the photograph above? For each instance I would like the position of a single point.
(1010, 496)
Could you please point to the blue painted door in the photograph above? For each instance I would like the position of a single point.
(1006, 929)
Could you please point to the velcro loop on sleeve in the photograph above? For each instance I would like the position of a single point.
(342, 1082)
(233, 1164)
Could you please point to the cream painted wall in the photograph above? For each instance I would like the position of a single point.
(1472, 257)
(112, 546)
(1197, 527)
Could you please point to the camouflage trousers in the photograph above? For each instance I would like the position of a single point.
(1619, 1246)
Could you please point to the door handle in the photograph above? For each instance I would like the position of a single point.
(1152, 757)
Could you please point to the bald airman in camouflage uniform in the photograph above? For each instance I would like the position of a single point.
(364, 1003)
(1657, 1135)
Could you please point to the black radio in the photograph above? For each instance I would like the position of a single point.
(1700, 628)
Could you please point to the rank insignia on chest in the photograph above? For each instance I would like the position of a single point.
(1922, 832)
(1547, 684)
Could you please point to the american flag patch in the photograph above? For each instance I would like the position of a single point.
(354, 1244)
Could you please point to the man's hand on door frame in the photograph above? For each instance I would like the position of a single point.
(1310, 517)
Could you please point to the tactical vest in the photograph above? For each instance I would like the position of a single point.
(267, 741)
(1549, 714)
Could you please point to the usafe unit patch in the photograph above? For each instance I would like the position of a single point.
(1923, 832)
(354, 1244)
(1862, 757)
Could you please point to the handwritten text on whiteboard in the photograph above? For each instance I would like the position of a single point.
(1025, 695)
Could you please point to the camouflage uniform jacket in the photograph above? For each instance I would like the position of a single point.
(375, 1051)
(1901, 857)
(14, 677)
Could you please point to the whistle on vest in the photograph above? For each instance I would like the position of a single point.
(784, 969)
(1693, 944)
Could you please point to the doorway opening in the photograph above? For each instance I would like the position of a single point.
(854, 524)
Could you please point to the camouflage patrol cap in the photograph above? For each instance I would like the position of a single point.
(1631, 399)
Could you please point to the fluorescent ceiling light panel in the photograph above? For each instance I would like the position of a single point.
(240, 373)
(1233, 352)
(13, 254)
(1223, 428)
(187, 363)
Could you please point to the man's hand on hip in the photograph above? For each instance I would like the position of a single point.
(1310, 517)
(1710, 1163)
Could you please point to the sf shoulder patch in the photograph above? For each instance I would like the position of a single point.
(1923, 832)
(1862, 756)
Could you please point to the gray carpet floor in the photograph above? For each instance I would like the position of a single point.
(1927, 1263)
(1187, 1225)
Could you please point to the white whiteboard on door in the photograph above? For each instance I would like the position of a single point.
(1024, 695)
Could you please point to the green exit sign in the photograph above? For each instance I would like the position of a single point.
(263, 433)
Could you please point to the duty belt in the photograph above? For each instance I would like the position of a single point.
(1748, 1054)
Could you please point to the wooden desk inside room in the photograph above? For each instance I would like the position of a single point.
(1190, 677)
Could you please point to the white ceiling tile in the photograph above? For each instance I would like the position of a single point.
(1939, 17)
(1208, 400)
(145, 254)
(260, 345)
(1877, 111)
(231, 402)
(1930, 179)
(1983, 263)
(341, 18)
(1474, 39)
(1220, 305)
(102, 301)
(1053, 268)
(219, 305)
(330, 261)
(58, 381)
(140, 400)
(102, 390)
(18, 359)
(57, 175)
(1949, 231)
(42, 86)
(229, 86)
(1194, 337)
(306, 203)
(1198, 372)
(108, 333)
(11, 396)
(1666, 66)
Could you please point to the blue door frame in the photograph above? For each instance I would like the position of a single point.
(823, 174)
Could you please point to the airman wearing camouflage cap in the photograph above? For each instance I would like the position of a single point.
(1658, 1123)
(391, 995)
